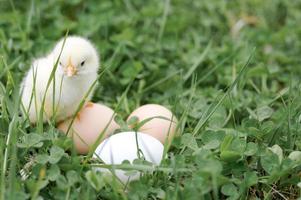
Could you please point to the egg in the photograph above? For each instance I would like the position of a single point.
(124, 146)
(161, 129)
(91, 121)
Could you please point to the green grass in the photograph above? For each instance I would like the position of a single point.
(236, 91)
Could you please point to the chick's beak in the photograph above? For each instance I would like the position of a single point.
(70, 69)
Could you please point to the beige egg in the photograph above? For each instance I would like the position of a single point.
(91, 121)
(156, 127)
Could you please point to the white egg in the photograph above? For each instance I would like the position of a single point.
(124, 146)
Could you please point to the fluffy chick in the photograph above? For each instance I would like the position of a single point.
(76, 72)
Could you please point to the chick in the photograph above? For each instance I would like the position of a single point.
(78, 63)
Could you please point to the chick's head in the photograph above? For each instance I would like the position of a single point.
(77, 56)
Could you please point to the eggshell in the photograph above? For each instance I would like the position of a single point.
(156, 127)
(123, 146)
(89, 125)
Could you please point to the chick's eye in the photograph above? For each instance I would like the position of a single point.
(82, 63)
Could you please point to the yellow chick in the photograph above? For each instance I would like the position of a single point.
(78, 63)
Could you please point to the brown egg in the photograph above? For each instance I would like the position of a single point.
(89, 125)
(156, 127)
